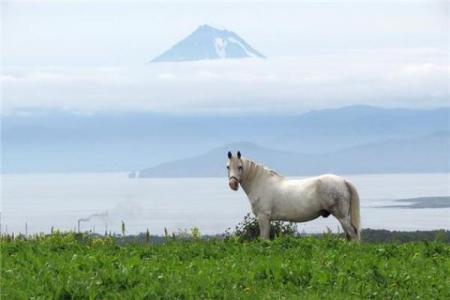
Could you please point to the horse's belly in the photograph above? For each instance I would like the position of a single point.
(298, 217)
(296, 212)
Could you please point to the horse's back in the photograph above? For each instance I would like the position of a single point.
(312, 183)
(320, 190)
(331, 178)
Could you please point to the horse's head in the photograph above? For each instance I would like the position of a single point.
(235, 170)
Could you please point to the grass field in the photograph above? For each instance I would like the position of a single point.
(67, 266)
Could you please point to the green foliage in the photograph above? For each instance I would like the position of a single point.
(79, 266)
(383, 236)
(248, 229)
(195, 233)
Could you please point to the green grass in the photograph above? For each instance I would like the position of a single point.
(65, 266)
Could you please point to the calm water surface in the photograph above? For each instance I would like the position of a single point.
(59, 200)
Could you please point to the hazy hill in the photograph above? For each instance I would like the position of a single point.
(55, 141)
(425, 154)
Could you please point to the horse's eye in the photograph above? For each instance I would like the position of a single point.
(228, 167)
(240, 168)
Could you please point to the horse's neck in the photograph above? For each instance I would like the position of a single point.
(253, 176)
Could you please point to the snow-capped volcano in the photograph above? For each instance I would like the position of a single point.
(207, 42)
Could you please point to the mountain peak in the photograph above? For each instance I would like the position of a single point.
(209, 27)
(208, 42)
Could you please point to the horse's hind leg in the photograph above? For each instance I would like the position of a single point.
(342, 213)
(350, 232)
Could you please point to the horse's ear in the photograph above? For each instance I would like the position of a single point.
(239, 154)
(229, 154)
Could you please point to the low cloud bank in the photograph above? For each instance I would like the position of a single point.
(390, 77)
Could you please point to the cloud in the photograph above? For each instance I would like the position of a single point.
(390, 77)
(166, 76)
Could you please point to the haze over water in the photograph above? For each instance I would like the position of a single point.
(59, 200)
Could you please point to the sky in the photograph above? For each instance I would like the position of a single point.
(91, 56)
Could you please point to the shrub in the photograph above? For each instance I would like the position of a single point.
(248, 229)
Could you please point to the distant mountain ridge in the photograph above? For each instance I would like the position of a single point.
(61, 141)
(207, 42)
(429, 153)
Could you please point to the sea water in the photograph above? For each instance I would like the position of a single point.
(38, 202)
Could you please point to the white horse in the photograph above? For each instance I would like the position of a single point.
(273, 197)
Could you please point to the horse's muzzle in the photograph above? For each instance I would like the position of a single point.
(234, 184)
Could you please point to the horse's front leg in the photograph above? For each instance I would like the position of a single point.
(264, 226)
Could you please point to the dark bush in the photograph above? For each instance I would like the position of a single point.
(248, 229)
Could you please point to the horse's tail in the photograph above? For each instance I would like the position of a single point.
(354, 208)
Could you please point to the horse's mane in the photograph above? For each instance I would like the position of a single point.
(263, 168)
